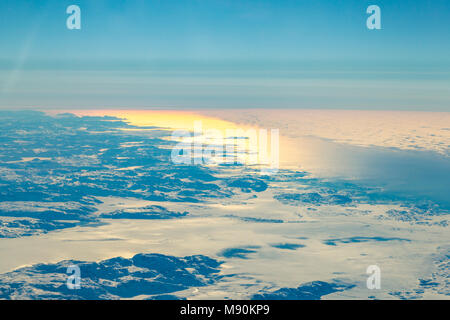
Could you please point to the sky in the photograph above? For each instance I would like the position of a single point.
(225, 54)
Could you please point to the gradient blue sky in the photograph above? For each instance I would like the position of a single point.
(191, 44)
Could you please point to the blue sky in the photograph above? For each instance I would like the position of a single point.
(269, 36)
(220, 29)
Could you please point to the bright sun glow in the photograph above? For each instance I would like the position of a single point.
(252, 145)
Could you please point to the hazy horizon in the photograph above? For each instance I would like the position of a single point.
(225, 54)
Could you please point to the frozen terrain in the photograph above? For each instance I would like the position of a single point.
(103, 194)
